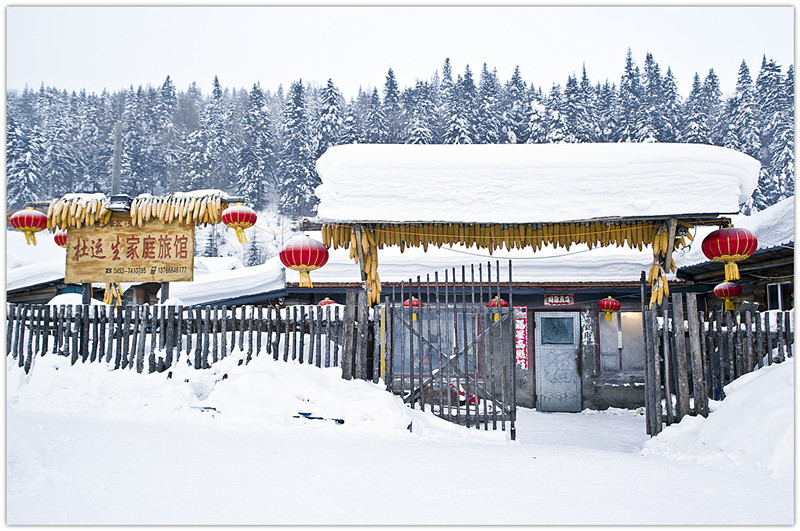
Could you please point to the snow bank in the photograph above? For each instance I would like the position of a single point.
(505, 183)
(264, 394)
(752, 427)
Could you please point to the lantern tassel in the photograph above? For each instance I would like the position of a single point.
(608, 316)
(305, 280)
(731, 271)
(241, 235)
(729, 305)
(30, 237)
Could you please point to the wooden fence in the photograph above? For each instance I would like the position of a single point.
(155, 338)
(690, 356)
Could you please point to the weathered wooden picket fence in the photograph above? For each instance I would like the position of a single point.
(690, 356)
(155, 338)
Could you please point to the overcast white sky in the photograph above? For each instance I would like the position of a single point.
(97, 47)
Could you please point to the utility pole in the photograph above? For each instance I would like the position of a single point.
(115, 175)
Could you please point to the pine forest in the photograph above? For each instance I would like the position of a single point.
(263, 145)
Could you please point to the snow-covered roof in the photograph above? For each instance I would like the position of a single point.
(32, 265)
(267, 278)
(523, 183)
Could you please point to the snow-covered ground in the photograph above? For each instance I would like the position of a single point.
(87, 445)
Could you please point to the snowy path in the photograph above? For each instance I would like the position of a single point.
(565, 469)
(86, 445)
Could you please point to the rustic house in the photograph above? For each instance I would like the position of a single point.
(605, 214)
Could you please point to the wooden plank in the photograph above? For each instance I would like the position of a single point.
(348, 348)
(137, 323)
(119, 334)
(142, 338)
(286, 333)
(658, 395)
(739, 346)
(465, 344)
(318, 331)
(36, 317)
(377, 338)
(388, 360)
(668, 363)
(361, 337)
(206, 313)
(308, 312)
(11, 318)
(787, 328)
(198, 349)
(30, 317)
(749, 354)
(439, 382)
(18, 328)
(328, 328)
(179, 327)
(781, 338)
(56, 331)
(101, 340)
(338, 331)
(248, 315)
(223, 326)
(700, 392)
(242, 329)
(75, 327)
(151, 357)
(682, 373)
(759, 341)
(95, 329)
(169, 319)
(21, 328)
(768, 336)
(126, 322)
(83, 328)
(715, 355)
(259, 317)
(731, 338)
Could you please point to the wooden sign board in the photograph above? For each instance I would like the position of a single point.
(121, 252)
(559, 299)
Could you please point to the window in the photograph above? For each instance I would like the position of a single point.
(621, 344)
(780, 296)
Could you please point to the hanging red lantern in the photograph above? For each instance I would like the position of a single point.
(609, 306)
(730, 245)
(303, 254)
(239, 217)
(413, 302)
(728, 291)
(326, 302)
(497, 302)
(61, 238)
(29, 221)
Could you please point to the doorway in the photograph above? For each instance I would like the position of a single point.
(556, 352)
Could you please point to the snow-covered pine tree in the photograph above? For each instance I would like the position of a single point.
(515, 110)
(711, 98)
(296, 174)
(741, 128)
(375, 127)
(606, 111)
(671, 109)
(348, 133)
(422, 111)
(257, 160)
(649, 121)
(488, 107)
(630, 100)
(556, 125)
(392, 111)
(695, 126)
(23, 172)
(331, 118)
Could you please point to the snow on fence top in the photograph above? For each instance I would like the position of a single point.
(507, 183)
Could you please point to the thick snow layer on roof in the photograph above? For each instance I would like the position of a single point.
(223, 285)
(30, 265)
(772, 226)
(506, 183)
(579, 264)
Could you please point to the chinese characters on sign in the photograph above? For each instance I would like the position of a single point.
(121, 252)
(521, 339)
(559, 299)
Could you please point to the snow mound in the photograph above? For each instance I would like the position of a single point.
(752, 427)
(262, 395)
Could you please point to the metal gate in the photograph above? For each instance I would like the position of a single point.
(449, 352)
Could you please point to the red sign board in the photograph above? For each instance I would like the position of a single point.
(559, 299)
(521, 335)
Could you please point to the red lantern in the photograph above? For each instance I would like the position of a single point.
(239, 217)
(61, 238)
(730, 245)
(326, 302)
(303, 254)
(413, 302)
(29, 221)
(495, 303)
(609, 306)
(728, 291)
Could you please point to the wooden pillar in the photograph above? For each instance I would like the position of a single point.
(164, 291)
(86, 292)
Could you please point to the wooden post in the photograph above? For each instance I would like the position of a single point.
(667, 370)
(748, 343)
(361, 338)
(780, 339)
(787, 328)
(730, 358)
(682, 375)
(768, 336)
(11, 312)
(164, 292)
(75, 326)
(348, 347)
(696, 354)
(656, 371)
(86, 293)
(759, 341)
